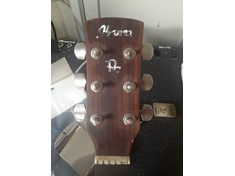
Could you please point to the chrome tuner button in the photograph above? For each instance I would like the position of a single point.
(96, 86)
(129, 119)
(147, 51)
(129, 87)
(79, 112)
(146, 82)
(146, 112)
(97, 53)
(80, 50)
(80, 80)
(129, 53)
(96, 119)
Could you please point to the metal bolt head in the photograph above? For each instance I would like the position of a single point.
(129, 87)
(96, 119)
(129, 53)
(163, 109)
(96, 86)
(97, 53)
(129, 119)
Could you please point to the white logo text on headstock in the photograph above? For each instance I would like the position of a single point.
(114, 67)
(104, 31)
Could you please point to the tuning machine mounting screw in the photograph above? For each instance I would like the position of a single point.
(96, 119)
(97, 53)
(146, 82)
(147, 51)
(129, 53)
(128, 119)
(129, 87)
(96, 86)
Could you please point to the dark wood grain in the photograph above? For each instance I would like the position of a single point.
(112, 137)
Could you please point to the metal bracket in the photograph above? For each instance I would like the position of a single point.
(65, 136)
(164, 110)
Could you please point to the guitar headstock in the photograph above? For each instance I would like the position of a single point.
(114, 52)
(113, 47)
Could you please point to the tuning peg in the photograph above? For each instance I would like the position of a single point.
(79, 112)
(80, 50)
(147, 51)
(80, 80)
(146, 112)
(146, 82)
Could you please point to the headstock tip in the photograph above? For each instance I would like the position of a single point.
(147, 51)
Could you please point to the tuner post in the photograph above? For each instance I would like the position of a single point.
(96, 119)
(129, 119)
(129, 87)
(96, 86)
(97, 53)
(129, 53)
